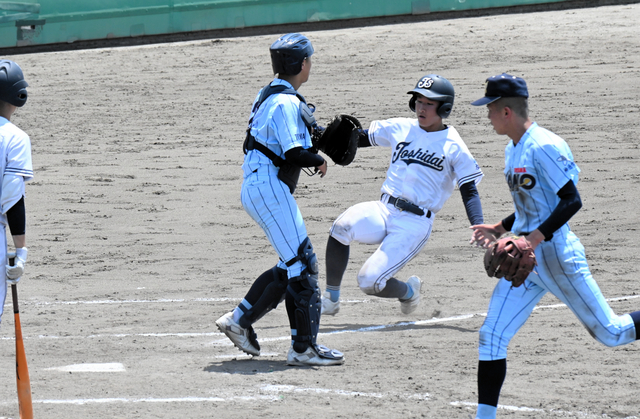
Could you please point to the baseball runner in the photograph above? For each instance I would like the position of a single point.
(542, 178)
(428, 160)
(277, 147)
(17, 169)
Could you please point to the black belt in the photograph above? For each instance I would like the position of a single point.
(404, 205)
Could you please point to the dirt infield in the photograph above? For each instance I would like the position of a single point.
(138, 240)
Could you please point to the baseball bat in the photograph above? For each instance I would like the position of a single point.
(22, 371)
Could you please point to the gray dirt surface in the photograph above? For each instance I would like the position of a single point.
(138, 240)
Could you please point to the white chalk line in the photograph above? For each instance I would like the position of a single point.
(268, 392)
(225, 342)
(225, 299)
(158, 301)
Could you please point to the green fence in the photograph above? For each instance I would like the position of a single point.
(66, 21)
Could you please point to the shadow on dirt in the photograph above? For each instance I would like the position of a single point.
(250, 366)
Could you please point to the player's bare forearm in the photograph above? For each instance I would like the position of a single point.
(535, 238)
(20, 241)
(485, 234)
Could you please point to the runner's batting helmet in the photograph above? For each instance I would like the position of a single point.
(437, 88)
(288, 53)
(13, 87)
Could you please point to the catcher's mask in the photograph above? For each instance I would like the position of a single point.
(288, 53)
(13, 87)
(437, 88)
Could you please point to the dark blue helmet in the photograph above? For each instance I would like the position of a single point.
(288, 53)
(436, 88)
(13, 87)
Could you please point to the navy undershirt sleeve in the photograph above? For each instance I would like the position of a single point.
(16, 218)
(507, 223)
(363, 138)
(570, 203)
(303, 158)
(472, 205)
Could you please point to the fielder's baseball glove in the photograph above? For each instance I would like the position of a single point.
(511, 258)
(339, 140)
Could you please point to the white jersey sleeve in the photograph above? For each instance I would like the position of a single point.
(465, 167)
(16, 165)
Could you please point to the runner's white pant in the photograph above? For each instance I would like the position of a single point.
(400, 234)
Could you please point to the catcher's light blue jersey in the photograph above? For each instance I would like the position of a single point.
(278, 125)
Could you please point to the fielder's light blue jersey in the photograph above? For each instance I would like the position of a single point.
(536, 169)
(278, 125)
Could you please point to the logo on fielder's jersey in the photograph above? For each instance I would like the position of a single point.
(520, 170)
(517, 181)
(568, 164)
(418, 156)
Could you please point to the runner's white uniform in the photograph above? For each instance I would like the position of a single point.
(536, 169)
(424, 169)
(15, 152)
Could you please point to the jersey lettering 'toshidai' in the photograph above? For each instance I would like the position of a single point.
(536, 169)
(278, 125)
(425, 166)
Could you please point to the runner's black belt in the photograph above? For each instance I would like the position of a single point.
(404, 205)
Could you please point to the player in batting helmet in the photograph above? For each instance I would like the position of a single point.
(16, 168)
(437, 88)
(13, 87)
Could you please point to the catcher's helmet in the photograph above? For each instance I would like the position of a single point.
(13, 87)
(288, 53)
(434, 87)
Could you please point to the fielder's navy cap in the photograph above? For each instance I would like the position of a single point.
(502, 85)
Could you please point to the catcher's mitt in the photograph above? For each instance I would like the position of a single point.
(511, 258)
(339, 140)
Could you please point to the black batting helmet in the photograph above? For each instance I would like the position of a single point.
(13, 87)
(288, 53)
(437, 88)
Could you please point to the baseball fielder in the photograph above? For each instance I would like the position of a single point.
(428, 160)
(277, 147)
(542, 178)
(16, 166)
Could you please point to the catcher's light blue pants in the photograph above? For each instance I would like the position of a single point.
(268, 201)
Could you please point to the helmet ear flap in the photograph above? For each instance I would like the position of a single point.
(412, 103)
(445, 109)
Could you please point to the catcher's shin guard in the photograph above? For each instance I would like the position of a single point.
(272, 295)
(305, 295)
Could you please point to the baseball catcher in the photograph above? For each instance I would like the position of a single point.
(277, 147)
(340, 139)
(511, 258)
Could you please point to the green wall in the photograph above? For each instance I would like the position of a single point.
(64, 21)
